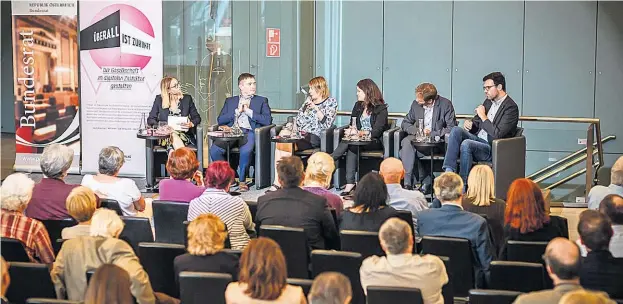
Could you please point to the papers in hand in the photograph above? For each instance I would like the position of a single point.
(176, 122)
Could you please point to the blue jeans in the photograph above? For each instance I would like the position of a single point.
(246, 144)
(470, 147)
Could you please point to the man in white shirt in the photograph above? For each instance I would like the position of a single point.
(401, 268)
(392, 172)
(496, 118)
(597, 193)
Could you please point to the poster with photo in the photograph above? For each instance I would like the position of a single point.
(45, 78)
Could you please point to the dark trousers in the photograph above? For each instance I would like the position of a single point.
(411, 157)
(246, 144)
(351, 156)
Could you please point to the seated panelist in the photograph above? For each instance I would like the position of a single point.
(315, 115)
(496, 118)
(172, 102)
(437, 113)
(370, 113)
(248, 111)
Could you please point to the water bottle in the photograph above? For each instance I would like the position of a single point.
(420, 130)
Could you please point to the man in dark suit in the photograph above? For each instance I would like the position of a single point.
(600, 270)
(437, 116)
(248, 111)
(496, 118)
(452, 221)
(292, 206)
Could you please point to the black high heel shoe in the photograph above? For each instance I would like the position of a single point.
(349, 193)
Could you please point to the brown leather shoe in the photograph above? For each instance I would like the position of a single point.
(242, 187)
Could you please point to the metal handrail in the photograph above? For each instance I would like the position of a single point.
(594, 130)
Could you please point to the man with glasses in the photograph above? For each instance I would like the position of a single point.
(496, 118)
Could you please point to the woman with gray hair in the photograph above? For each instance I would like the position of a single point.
(15, 194)
(50, 194)
(79, 255)
(106, 184)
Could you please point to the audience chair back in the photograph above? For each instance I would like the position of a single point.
(447, 291)
(168, 221)
(137, 230)
(516, 276)
(492, 296)
(344, 262)
(293, 243)
(520, 251)
(157, 259)
(407, 216)
(197, 287)
(50, 301)
(461, 260)
(111, 204)
(303, 283)
(54, 228)
(13, 250)
(508, 162)
(365, 242)
(29, 280)
(235, 252)
(394, 295)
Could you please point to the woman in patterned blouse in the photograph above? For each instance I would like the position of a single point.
(315, 115)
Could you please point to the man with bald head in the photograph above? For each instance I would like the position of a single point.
(392, 172)
(562, 261)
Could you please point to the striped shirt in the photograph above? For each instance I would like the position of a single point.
(232, 210)
(31, 233)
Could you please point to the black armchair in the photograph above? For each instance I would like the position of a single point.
(293, 243)
(492, 296)
(29, 280)
(261, 165)
(339, 176)
(508, 161)
(136, 230)
(54, 228)
(157, 260)
(516, 276)
(13, 250)
(461, 260)
(198, 287)
(169, 220)
(394, 295)
(344, 262)
(305, 284)
(364, 242)
(151, 150)
(112, 205)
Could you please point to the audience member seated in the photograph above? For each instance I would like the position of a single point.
(525, 218)
(182, 165)
(600, 270)
(401, 268)
(263, 276)
(586, 296)
(16, 191)
(370, 209)
(106, 184)
(109, 284)
(81, 204)
(5, 280)
(232, 210)
(612, 207)
(413, 201)
(292, 206)
(50, 194)
(480, 199)
(206, 240)
(597, 193)
(452, 221)
(320, 167)
(330, 288)
(562, 262)
(79, 255)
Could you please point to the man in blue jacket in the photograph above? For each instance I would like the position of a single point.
(249, 111)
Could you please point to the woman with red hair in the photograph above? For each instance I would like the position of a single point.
(232, 210)
(525, 217)
(186, 183)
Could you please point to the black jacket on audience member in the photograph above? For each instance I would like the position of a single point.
(366, 221)
(295, 207)
(555, 228)
(220, 262)
(601, 271)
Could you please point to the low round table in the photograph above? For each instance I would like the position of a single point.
(150, 136)
(285, 140)
(358, 144)
(223, 137)
(430, 147)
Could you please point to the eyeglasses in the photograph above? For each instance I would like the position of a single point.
(487, 88)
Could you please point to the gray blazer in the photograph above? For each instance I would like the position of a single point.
(443, 117)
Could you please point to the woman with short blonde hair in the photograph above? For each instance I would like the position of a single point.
(320, 167)
(317, 114)
(206, 240)
(81, 204)
(480, 199)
